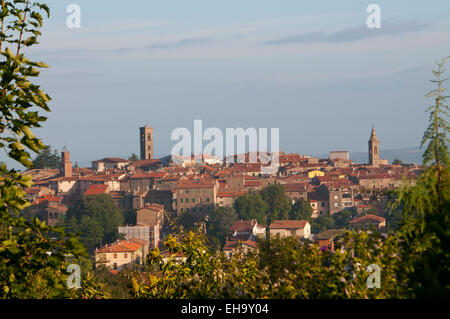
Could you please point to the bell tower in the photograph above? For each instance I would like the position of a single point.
(374, 149)
(65, 168)
(146, 140)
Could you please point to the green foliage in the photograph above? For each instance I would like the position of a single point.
(425, 225)
(133, 158)
(219, 225)
(33, 256)
(282, 268)
(251, 206)
(47, 159)
(322, 223)
(279, 203)
(396, 161)
(130, 217)
(95, 217)
(301, 210)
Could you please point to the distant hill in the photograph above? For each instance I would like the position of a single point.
(406, 155)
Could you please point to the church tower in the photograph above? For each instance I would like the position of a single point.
(65, 167)
(146, 135)
(374, 149)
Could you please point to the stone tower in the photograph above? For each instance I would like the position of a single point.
(146, 135)
(374, 149)
(65, 167)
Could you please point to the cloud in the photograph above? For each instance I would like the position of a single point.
(154, 46)
(388, 28)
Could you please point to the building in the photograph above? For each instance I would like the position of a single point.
(286, 228)
(147, 233)
(247, 230)
(197, 195)
(374, 151)
(334, 155)
(146, 142)
(119, 254)
(109, 163)
(368, 221)
(231, 247)
(65, 166)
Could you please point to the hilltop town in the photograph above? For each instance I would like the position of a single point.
(161, 189)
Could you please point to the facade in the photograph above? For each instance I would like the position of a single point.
(286, 228)
(334, 155)
(146, 142)
(109, 163)
(196, 196)
(116, 256)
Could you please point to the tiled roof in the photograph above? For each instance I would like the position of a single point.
(243, 225)
(369, 217)
(96, 189)
(277, 224)
(122, 246)
(47, 198)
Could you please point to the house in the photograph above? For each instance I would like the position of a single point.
(97, 189)
(119, 254)
(325, 240)
(109, 163)
(248, 229)
(232, 246)
(368, 221)
(285, 228)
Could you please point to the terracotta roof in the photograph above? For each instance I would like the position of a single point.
(277, 224)
(97, 189)
(195, 184)
(243, 225)
(47, 198)
(233, 244)
(122, 246)
(369, 217)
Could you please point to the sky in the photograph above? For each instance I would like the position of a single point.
(313, 69)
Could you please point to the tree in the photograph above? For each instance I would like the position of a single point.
(47, 159)
(219, 224)
(96, 218)
(33, 255)
(278, 202)
(396, 161)
(322, 223)
(426, 226)
(133, 158)
(301, 210)
(251, 206)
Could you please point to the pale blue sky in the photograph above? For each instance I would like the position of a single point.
(310, 68)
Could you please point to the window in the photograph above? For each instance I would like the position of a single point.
(182, 209)
(187, 200)
(323, 204)
(336, 204)
(335, 196)
(199, 191)
(115, 256)
(125, 256)
(181, 200)
(115, 266)
(193, 200)
(207, 199)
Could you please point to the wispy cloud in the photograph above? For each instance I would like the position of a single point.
(388, 28)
